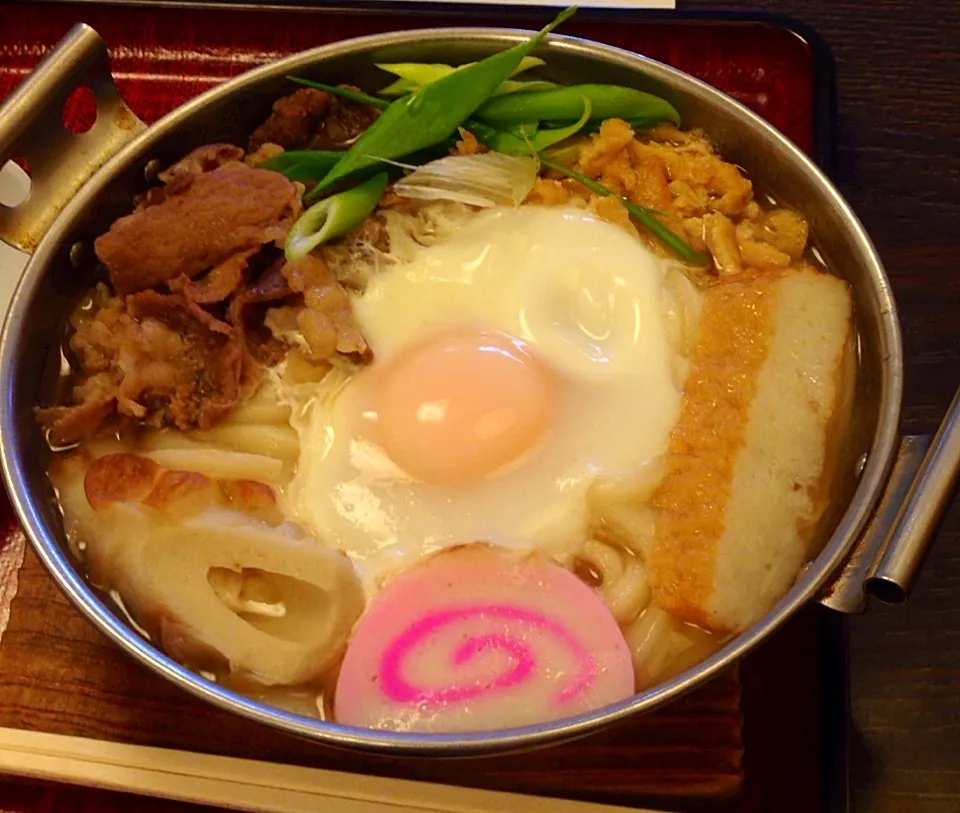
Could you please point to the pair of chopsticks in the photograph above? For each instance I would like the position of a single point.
(249, 785)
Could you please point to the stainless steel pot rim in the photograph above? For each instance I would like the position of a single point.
(867, 492)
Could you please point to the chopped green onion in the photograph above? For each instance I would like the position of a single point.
(681, 248)
(564, 104)
(334, 217)
(394, 168)
(399, 87)
(435, 111)
(528, 86)
(346, 93)
(414, 75)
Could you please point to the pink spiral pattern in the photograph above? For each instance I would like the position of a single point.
(524, 662)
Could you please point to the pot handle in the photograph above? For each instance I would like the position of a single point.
(32, 128)
(887, 559)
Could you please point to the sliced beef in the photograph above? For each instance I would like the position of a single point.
(248, 308)
(312, 119)
(157, 358)
(294, 121)
(345, 122)
(187, 365)
(263, 153)
(314, 303)
(231, 209)
(352, 257)
(153, 196)
(177, 177)
(223, 281)
(203, 159)
(95, 402)
(326, 321)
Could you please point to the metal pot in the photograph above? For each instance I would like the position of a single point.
(879, 525)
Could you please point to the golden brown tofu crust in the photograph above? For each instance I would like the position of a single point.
(736, 328)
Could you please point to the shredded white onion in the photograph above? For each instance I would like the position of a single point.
(486, 179)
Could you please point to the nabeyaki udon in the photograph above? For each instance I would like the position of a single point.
(475, 403)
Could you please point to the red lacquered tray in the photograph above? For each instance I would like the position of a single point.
(162, 56)
(749, 741)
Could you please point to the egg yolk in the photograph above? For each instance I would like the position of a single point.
(462, 405)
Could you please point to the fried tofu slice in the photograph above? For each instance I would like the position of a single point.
(748, 455)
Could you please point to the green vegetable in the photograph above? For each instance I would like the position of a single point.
(334, 216)
(414, 75)
(638, 125)
(434, 112)
(565, 154)
(304, 165)
(516, 143)
(345, 93)
(641, 213)
(645, 124)
(527, 129)
(564, 104)
(404, 86)
(527, 86)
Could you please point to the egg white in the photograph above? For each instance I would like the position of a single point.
(588, 298)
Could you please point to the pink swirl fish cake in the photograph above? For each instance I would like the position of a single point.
(477, 639)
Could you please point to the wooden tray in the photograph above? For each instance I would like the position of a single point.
(752, 740)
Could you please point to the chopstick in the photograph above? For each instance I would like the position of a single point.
(249, 785)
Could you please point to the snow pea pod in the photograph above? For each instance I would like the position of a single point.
(524, 142)
(434, 112)
(565, 104)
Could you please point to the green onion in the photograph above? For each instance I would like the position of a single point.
(682, 249)
(434, 112)
(566, 154)
(303, 165)
(334, 217)
(394, 168)
(402, 87)
(345, 93)
(527, 86)
(564, 104)
(414, 75)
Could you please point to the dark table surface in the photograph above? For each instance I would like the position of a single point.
(898, 77)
